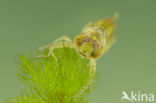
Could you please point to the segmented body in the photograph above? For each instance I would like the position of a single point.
(99, 36)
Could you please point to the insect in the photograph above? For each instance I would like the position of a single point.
(95, 40)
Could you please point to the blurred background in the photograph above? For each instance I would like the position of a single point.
(130, 64)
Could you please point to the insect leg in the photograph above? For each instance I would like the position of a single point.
(45, 56)
(92, 74)
(59, 43)
(63, 38)
(63, 42)
(93, 67)
(43, 47)
(57, 40)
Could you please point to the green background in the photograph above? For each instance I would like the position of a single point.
(130, 64)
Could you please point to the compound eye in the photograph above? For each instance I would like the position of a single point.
(78, 41)
(96, 53)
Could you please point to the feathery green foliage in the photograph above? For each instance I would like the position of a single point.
(49, 81)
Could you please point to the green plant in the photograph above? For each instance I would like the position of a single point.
(46, 80)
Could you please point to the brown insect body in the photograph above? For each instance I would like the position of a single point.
(99, 34)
